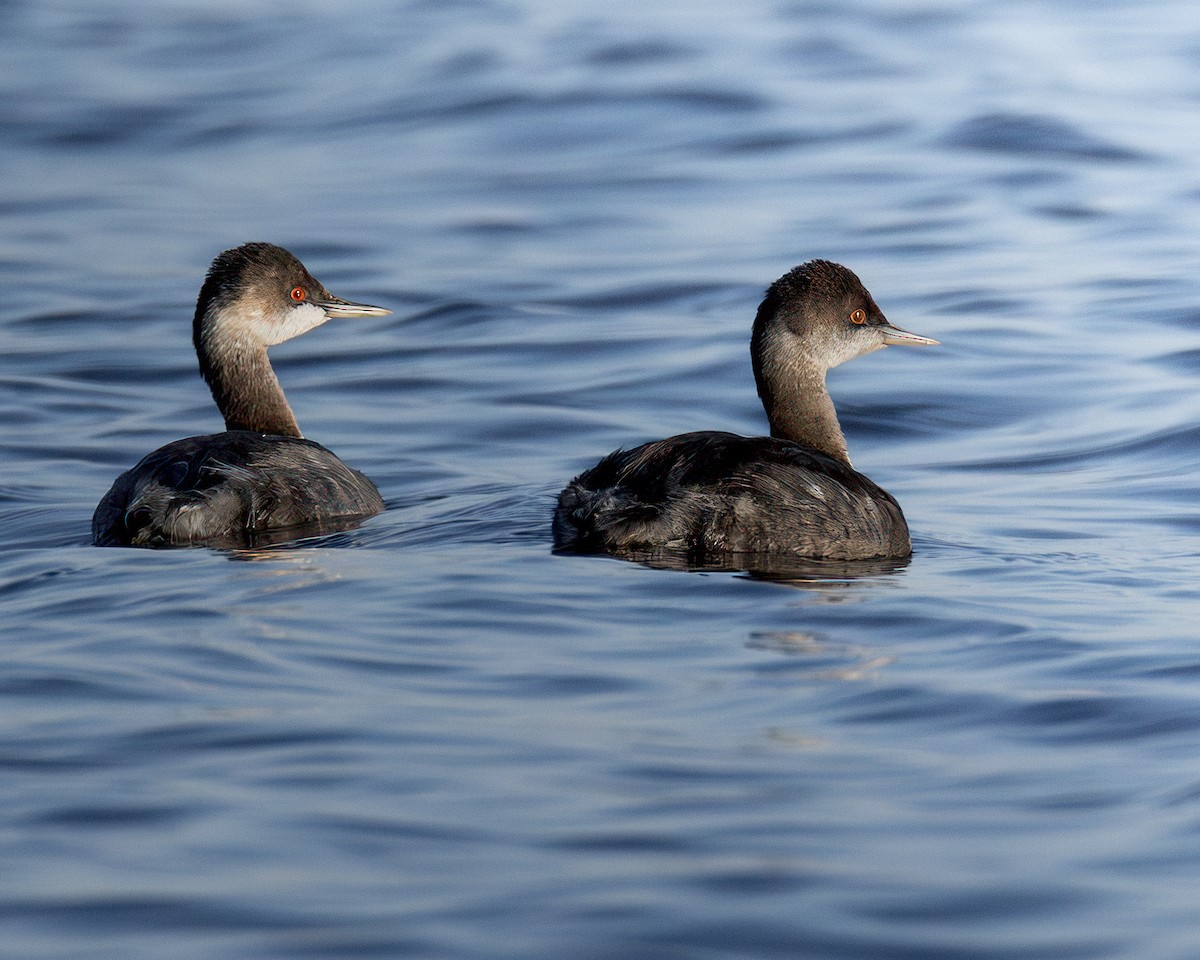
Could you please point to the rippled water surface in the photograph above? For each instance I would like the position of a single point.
(432, 737)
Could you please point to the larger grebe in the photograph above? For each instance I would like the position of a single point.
(793, 493)
(261, 474)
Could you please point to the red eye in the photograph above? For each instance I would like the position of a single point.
(858, 316)
(299, 294)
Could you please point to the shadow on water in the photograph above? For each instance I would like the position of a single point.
(269, 544)
(792, 571)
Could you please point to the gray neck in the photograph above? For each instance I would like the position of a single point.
(804, 413)
(792, 388)
(246, 389)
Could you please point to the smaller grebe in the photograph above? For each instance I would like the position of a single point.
(261, 474)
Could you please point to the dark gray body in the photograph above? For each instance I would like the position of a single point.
(711, 494)
(227, 489)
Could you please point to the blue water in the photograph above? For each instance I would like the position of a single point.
(431, 737)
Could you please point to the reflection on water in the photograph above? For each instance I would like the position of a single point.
(441, 739)
(824, 660)
(796, 571)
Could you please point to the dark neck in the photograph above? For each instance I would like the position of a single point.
(246, 389)
(793, 393)
(804, 414)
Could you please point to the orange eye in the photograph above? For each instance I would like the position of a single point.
(299, 294)
(858, 316)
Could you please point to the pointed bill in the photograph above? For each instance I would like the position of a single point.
(895, 337)
(338, 309)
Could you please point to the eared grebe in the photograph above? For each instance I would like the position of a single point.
(795, 493)
(259, 475)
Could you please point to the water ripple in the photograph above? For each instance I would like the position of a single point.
(1036, 136)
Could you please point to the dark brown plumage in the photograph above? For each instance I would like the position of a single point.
(711, 494)
(261, 475)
